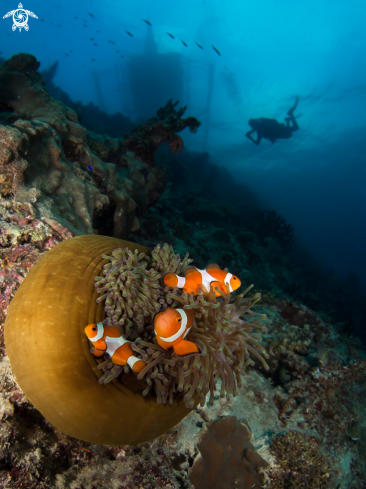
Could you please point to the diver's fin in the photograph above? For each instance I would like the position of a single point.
(185, 347)
(290, 112)
(214, 266)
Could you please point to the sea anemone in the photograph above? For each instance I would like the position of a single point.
(50, 353)
(225, 329)
(132, 290)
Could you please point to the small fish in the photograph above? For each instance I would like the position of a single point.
(112, 42)
(93, 59)
(122, 56)
(85, 25)
(129, 33)
(91, 15)
(186, 45)
(66, 54)
(108, 340)
(171, 35)
(75, 17)
(199, 45)
(194, 279)
(117, 51)
(90, 168)
(97, 31)
(95, 44)
(58, 25)
(92, 39)
(42, 20)
(215, 49)
(147, 21)
(171, 327)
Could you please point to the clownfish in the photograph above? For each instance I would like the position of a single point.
(194, 278)
(107, 339)
(171, 327)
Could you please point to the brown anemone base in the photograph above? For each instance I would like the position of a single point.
(49, 352)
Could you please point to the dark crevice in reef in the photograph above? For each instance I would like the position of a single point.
(103, 222)
(5, 107)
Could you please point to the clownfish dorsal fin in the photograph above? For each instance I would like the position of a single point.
(190, 270)
(213, 266)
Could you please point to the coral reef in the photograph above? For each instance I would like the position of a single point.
(89, 115)
(145, 139)
(293, 453)
(306, 413)
(299, 399)
(272, 225)
(228, 459)
(80, 180)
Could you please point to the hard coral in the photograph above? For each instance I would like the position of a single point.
(81, 180)
(299, 463)
(228, 459)
(145, 139)
(13, 146)
(175, 144)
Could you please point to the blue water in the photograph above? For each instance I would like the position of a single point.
(271, 51)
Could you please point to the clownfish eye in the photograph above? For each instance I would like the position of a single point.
(234, 278)
(179, 320)
(94, 329)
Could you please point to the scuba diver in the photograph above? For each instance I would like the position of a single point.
(271, 129)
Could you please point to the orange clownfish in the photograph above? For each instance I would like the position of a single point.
(194, 278)
(107, 339)
(171, 327)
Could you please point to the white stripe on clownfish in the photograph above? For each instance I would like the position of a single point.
(227, 280)
(207, 279)
(114, 343)
(100, 332)
(181, 281)
(183, 326)
(132, 360)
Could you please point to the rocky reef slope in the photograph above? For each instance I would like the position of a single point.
(300, 424)
(69, 174)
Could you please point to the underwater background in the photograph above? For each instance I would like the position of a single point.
(129, 119)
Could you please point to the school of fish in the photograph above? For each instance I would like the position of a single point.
(129, 33)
